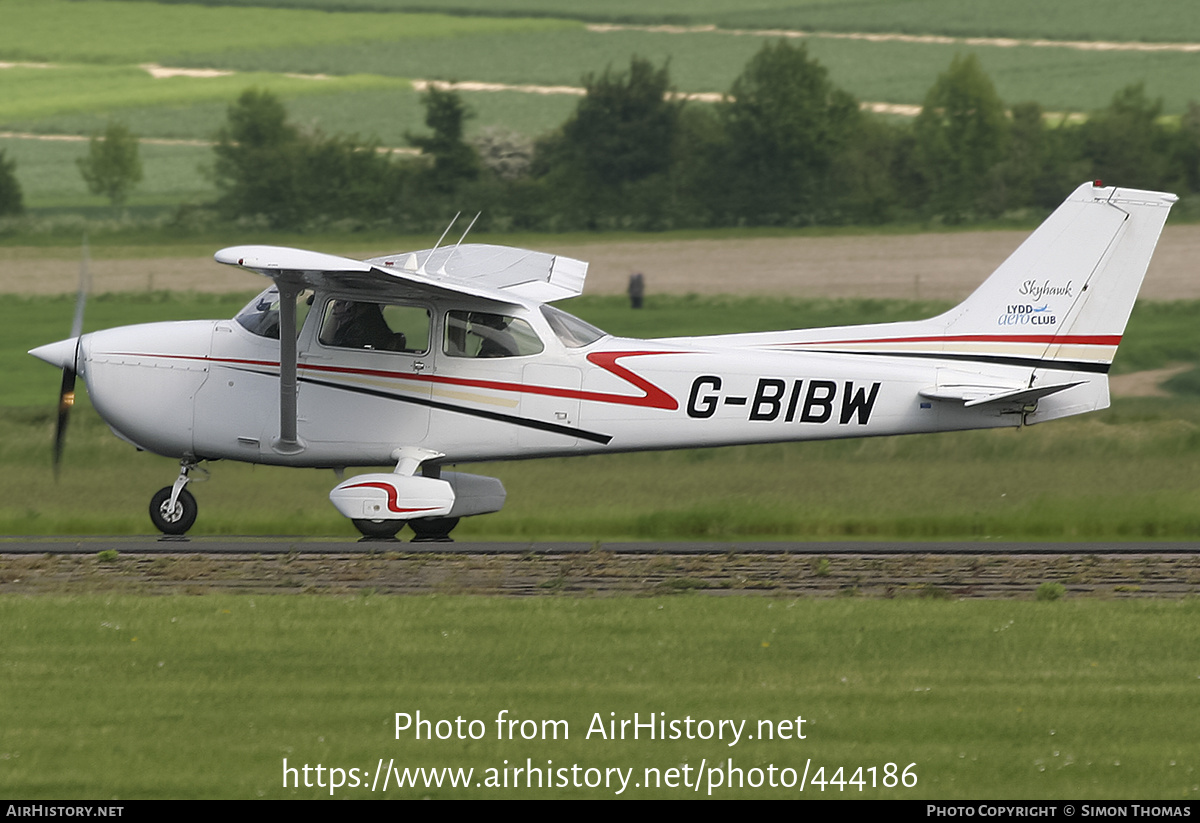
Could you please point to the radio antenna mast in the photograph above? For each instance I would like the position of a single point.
(442, 270)
(421, 269)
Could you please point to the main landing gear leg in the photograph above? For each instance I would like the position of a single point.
(173, 509)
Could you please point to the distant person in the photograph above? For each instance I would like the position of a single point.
(637, 290)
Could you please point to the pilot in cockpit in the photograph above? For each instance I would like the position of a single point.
(354, 325)
(495, 338)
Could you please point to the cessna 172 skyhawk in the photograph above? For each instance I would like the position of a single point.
(453, 354)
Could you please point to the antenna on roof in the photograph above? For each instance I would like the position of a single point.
(442, 270)
(421, 269)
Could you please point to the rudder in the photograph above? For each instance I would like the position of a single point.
(1063, 298)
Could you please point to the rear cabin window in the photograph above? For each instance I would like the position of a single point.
(483, 334)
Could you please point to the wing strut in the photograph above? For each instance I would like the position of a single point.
(289, 290)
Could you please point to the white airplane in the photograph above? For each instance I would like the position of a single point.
(453, 354)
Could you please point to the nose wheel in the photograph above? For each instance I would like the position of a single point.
(173, 520)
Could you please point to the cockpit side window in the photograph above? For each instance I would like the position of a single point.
(354, 324)
(261, 315)
(483, 334)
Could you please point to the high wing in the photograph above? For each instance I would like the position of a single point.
(495, 273)
(499, 273)
(533, 275)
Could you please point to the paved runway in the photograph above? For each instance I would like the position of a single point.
(304, 545)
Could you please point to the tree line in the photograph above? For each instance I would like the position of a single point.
(786, 147)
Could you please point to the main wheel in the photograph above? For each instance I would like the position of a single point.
(173, 520)
(433, 529)
(379, 529)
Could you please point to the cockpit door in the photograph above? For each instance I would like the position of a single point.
(364, 372)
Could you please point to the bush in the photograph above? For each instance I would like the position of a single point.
(1050, 591)
(10, 190)
(112, 166)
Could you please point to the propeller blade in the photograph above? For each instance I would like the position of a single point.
(66, 399)
(81, 295)
(66, 393)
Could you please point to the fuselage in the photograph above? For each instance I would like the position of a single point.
(209, 390)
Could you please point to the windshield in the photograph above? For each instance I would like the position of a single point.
(573, 332)
(261, 315)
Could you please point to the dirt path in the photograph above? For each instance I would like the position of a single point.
(922, 39)
(1145, 383)
(917, 266)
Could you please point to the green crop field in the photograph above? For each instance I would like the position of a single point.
(30, 94)
(69, 32)
(172, 175)
(895, 72)
(89, 56)
(214, 697)
(1152, 20)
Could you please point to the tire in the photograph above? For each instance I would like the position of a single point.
(433, 529)
(379, 529)
(177, 521)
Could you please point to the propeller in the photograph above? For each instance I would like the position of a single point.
(66, 394)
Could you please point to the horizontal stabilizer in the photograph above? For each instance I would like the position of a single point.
(971, 396)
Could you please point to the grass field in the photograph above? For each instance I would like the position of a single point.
(1130, 475)
(1047, 482)
(1154, 20)
(182, 697)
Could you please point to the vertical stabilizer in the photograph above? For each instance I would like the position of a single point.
(1059, 302)
(1063, 298)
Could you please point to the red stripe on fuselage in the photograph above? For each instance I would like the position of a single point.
(653, 397)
